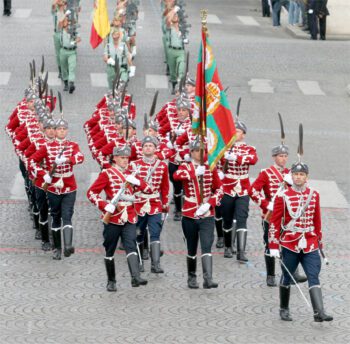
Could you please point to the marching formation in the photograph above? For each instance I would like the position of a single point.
(132, 190)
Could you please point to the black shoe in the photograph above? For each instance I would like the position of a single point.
(110, 269)
(46, 246)
(207, 265)
(178, 216)
(228, 252)
(167, 70)
(57, 254)
(71, 87)
(111, 286)
(317, 305)
(271, 281)
(285, 316)
(191, 271)
(220, 242)
(65, 88)
(38, 234)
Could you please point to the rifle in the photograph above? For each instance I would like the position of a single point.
(107, 216)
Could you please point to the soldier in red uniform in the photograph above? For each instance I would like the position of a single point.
(63, 154)
(198, 217)
(269, 183)
(296, 226)
(235, 203)
(119, 185)
(149, 207)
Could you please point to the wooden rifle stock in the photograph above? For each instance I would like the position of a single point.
(53, 169)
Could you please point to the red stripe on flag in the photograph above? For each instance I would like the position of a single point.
(226, 126)
(95, 39)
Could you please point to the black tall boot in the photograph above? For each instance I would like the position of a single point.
(45, 240)
(228, 243)
(110, 268)
(299, 278)
(65, 88)
(59, 73)
(56, 236)
(219, 232)
(178, 201)
(155, 258)
(145, 254)
(36, 225)
(207, 265)
(191, 272)
(133, 264)
(241, 244)
(234, 245)
(141, 266)
(317, 305)
(71, 87)
(67, 239)
(270, 271)
(173, 83)
(284, 303)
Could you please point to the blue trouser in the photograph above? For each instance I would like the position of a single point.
(311, 263)
(154, 223)
(62, 208)
(198, 229)
(111, 234)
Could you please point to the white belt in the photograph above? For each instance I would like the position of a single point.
(194, 199)
(63, 175)
(146, 196)
(298, 230)
(234, 176)
(124, 204)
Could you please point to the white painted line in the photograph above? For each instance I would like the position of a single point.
(22, 13)
(330, 195)
(53, 79)
(4, 78)
(310, 88)
(156, 81)
(93, 177)
(246, 20)
(140, 27)
(213, 19)
(141, 15)
(18, 190)
(260, 86)
(98, 79)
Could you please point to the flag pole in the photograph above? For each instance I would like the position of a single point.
(203, 113)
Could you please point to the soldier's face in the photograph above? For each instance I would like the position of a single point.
(196, 155)
(148, 149)
(182, 114)
(50, 132)
(299, 178)
(61, 133)
(190, 89)
(121, 161)
(30, 105)
(240, 136)
(281, 160)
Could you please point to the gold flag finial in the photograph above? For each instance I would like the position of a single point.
(204, 15)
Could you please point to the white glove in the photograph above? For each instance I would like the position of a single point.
(68, 12)
(311, 11)
(111, 62)
(133, 180)
(179, 131)
(288, 179)
(110, 208)
(200, 170)
(270, 206)
(47, 178)
(132, 71)
(176, 9)
(230, 156)
(186, 41)
(60, 160)
(202, 209)
(187, 158)
(170, 145)
(221, 175)
(275, 253)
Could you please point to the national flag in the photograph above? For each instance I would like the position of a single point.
(100, 27)
(212, 112)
